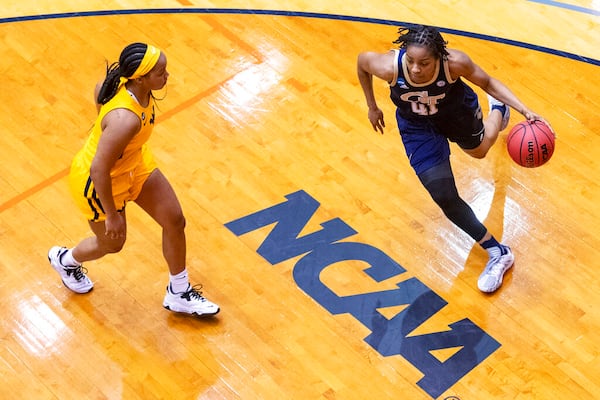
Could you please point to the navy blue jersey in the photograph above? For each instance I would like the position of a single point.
(439, 99)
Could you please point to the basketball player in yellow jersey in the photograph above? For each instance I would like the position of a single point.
(115, 167)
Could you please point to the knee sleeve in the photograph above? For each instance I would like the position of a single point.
(441, 186)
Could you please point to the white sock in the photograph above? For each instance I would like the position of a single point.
(179, 283)
(67, 259)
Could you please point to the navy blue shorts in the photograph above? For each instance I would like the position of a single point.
(427, 143)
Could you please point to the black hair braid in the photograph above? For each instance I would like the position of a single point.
(129, 60)
(421, 35)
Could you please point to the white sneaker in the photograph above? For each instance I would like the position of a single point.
(491, 278)
(503, 108)
(73, 276)
(191, 302)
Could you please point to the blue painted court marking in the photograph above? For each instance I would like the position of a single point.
(567, 6)
(542, 49)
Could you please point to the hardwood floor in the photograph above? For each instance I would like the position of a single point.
(363, 289)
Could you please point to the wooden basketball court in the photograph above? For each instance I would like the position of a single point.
(264, 121)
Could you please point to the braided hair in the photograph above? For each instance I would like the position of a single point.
(425, 36)
(129, 60)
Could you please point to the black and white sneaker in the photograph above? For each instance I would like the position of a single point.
(500, 262)
(190, 302)
(73, 276)
(503, 108)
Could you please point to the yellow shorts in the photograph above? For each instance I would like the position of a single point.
(126, 187)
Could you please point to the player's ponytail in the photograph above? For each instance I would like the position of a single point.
(129, 61)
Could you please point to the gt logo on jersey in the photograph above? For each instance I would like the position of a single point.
(422, 103)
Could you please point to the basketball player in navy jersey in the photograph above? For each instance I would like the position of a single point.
(435, 106)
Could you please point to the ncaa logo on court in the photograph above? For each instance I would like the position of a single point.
(389, 336)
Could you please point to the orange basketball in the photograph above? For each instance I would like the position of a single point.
(530, 143)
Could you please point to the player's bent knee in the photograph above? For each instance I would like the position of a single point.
(113, 245)
(175, 221)
(478, 152)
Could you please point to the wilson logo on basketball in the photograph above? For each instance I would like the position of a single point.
(529, 159)
(530, 143)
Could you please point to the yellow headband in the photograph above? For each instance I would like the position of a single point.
(148, 62)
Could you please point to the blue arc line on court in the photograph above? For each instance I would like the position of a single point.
(530, 46)
(567, 6)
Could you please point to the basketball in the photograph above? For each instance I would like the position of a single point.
(530, 143)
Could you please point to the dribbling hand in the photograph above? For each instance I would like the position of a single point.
(531, 116)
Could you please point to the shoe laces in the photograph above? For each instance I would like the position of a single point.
(495, 265)
(78, 272)
(194, 293)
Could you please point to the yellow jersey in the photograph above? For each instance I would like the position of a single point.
(132, 154)
(130, 170)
